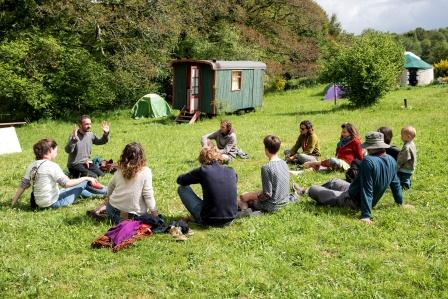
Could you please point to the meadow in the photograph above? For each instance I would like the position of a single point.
(302, 251)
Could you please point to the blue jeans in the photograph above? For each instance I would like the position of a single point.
(113, 213)
(405, 179)
(191, 201)
(69, 195)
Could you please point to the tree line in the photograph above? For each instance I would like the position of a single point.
(72, 56)
(430, 45)
(59, 58)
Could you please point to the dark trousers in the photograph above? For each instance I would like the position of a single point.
(405, 179)
(80, 170)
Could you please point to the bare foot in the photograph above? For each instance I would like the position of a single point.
(366, 221)
(408, 206)
(299, 190)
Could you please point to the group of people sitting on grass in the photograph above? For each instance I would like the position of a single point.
(129, 194)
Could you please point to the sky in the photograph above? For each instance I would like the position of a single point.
(396, 16)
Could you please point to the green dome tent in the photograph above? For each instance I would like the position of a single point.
(151, 105)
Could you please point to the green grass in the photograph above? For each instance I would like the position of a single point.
(301, 251)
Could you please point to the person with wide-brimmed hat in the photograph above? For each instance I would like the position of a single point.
(377, 172)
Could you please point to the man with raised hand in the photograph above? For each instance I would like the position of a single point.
(79, 147)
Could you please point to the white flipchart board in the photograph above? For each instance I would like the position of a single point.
(9, 143)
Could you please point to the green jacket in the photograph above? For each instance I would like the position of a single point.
(312, 145)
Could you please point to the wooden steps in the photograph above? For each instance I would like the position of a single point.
(186, 117)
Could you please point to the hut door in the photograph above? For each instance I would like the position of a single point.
(193, 95)
(413, 80)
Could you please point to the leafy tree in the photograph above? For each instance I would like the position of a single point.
(81, 54)
(335, 27)
(430, 45)
(367, 69)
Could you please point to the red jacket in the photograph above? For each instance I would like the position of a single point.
(350, 151)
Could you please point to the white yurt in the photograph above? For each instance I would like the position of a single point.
(417, 72)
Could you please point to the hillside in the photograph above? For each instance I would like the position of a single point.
(77, 55)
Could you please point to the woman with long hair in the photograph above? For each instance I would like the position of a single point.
(347, 149)
(307, 142)
(130, 192)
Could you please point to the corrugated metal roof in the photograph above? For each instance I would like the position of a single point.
(226, 64)
(413, 61)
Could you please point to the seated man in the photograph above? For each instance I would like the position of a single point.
(225, 141)
(79, 147)
(218, 183)
(274, 179)
(377, 172)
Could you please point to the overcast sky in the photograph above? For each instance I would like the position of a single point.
(387, 15)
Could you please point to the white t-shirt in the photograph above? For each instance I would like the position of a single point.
(133, 196)
(46, 191)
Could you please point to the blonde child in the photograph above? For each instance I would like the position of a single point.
(407, 157)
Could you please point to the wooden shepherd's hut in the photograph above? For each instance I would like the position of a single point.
(213, 86)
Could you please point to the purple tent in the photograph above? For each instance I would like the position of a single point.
(334, 91)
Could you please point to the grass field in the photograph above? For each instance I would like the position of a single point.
(303, 250)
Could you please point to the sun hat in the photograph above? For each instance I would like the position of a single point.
(374, 140)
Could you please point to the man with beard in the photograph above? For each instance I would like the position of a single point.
(79, 147)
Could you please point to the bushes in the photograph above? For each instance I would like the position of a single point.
(302, 82)
(441, 69)
(367, 69)
(39, 77)
(274, 83)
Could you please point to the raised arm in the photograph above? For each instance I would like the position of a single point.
(210, 136)
(72, 140)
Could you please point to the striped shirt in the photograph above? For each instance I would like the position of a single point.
(275, 181)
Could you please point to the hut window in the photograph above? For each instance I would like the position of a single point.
(236, 80)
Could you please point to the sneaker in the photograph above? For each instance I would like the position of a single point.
(177, 234)
(96, 185)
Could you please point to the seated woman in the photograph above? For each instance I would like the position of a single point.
(130, 193)
(225, 139)
(45, 176)
(218, 183)
(308, 142)
(347, 149)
